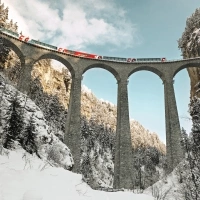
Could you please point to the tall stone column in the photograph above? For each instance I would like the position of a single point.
(72, 137)
(123, 170)
(173, 131)
(25, 75)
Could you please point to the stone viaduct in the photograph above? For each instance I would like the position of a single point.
(123, 176)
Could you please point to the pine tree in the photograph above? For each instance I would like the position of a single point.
(190, 187)
(28, 140)
(188, 43)
(14, 126)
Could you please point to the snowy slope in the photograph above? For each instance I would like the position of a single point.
(165, 189)
(46, 143)
(30, 178)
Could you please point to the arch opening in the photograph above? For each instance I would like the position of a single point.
(103, 66)
(98, 126)
(184, 90)
(50, 89)
(147, 125)
(186, 66)
(148, 68)
(57, 58)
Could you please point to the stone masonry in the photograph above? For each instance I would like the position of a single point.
(123, 178)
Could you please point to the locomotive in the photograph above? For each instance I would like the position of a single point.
(78, 53)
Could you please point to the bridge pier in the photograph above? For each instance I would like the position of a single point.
(25, 75)
(173, 131)
(123, 169)
(72, 137)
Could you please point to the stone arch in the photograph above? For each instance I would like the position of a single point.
(103, 66)
(15, 49)
(59, 59)
(188, 65)
(148, 68)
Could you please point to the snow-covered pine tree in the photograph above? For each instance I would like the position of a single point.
(28, 139)
(195, 143)
(14, 127)
(188, 39)
(190, 186)
(189, 44)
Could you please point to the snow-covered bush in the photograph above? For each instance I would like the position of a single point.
(59, 154)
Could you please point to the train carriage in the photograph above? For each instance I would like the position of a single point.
(150, 59)
(118, 59)
(42, 44)
(9, 32)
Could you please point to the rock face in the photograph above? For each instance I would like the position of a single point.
(194, 74)
(189, 44)
(53, 82)
(192, 51)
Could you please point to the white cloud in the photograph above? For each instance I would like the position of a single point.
(82, 23)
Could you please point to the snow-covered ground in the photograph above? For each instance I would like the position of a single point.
(25, 177)
(168, 188)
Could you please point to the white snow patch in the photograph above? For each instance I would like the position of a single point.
(168, 184)
(39, 181)
(107, 102)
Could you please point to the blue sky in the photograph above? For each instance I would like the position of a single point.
(129, 28)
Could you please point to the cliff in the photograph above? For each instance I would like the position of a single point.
(189, 44)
